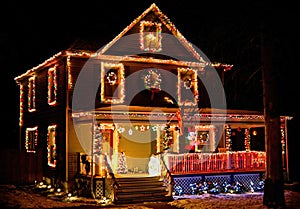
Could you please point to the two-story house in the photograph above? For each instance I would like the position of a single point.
(103, 113)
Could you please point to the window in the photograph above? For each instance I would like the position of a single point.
(31, 94)
(52, 86)
(31, 139)
(112, 83)
(150, 36)
(187, 87)
(52, 145)
(205, 138)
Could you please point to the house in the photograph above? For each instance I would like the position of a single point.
(148, 100)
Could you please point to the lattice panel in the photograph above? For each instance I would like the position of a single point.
(72, 163)
(220, 179)
(184, 183)
(99, 188)
(245, 179)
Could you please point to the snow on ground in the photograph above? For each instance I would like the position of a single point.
(232, 201)
(18, 197)
(249, 200)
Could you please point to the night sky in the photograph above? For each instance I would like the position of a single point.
(31, 32)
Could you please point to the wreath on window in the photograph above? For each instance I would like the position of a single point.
(188, 83)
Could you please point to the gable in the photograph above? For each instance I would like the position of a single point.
(152, 34)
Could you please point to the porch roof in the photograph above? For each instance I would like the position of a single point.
(141, 114)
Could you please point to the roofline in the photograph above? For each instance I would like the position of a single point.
(64, 53)
(168, 24)
(89, 54)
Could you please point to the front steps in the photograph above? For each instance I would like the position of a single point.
(140, 189)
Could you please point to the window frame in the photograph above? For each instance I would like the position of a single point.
(52, 85)
(31, 94)
(51, 147)
(31, 139)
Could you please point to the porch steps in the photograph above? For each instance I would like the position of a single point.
(140, 189)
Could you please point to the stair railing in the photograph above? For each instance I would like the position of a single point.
(111, 173)
(166, 174)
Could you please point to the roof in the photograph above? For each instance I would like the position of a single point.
(132, 40)
(128, 45)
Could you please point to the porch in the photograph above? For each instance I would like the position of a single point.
(182, 170)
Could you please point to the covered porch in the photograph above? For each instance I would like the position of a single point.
(207, 143)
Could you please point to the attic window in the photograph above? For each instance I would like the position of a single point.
(187, 87)
(112, 83)
(150, 36)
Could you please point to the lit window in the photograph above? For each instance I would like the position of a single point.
(51, 145)
(52, 86)
(187, 87)
(112, 81)
(31, 94)
(31, 139)
(150, 36)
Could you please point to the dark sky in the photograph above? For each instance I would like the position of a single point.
(31, 32)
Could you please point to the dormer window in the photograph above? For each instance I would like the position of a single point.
(150, 36)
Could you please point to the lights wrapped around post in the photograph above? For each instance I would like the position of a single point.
(168, 138)
(228, 142)
(247, 139)
(98, 140)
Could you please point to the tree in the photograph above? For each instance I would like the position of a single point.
(122, 164)
(271, 65)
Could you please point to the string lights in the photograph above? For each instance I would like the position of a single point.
(31, 94)
(52, 86)
(31, 139)
(228, 142)
(247, 139)
(150, 36)
(51, 145)
(113, 74)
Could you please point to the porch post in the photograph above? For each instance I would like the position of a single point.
(92, 156)
(286, 149)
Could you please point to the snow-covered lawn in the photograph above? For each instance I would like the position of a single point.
(15, 197)
(231, 201)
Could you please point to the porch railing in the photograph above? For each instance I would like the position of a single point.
(197, 163)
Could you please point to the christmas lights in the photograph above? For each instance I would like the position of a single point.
(150, 36)
(51, 145)
(247, 139)
(21, 105)
(52, 86)
(70, 83)
(31, 94)
(152, 80)
(228, 142)
(118, 81)
(31, 139)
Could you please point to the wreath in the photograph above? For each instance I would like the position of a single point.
(112, 78)
(152, 80)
